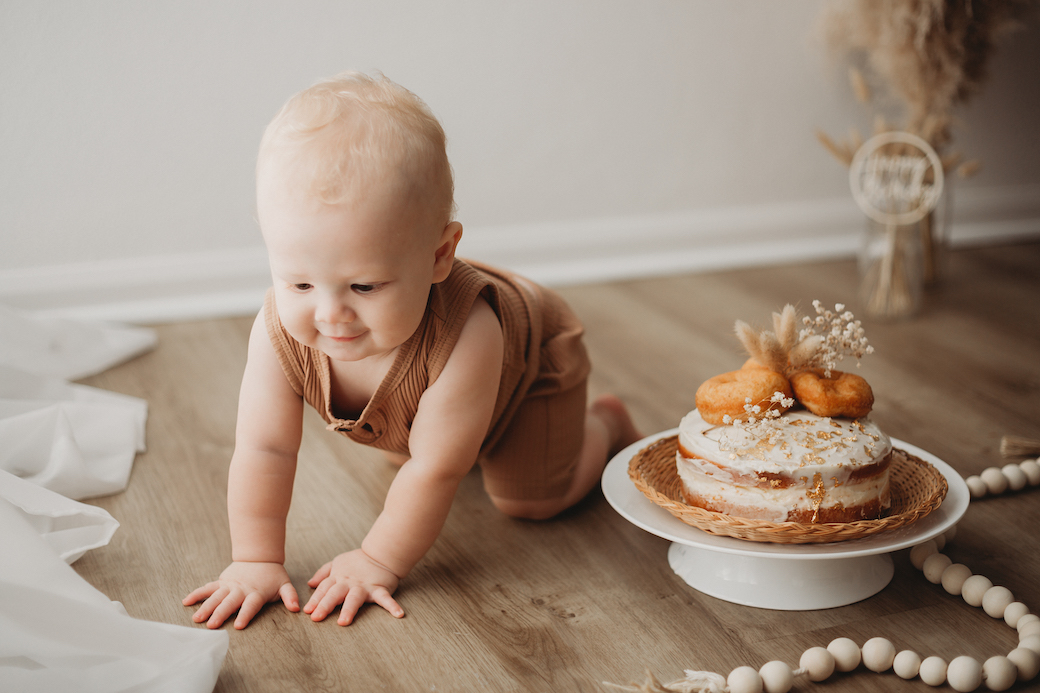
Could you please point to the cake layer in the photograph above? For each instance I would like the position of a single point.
(803, 499)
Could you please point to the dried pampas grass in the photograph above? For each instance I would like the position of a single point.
(930, 55)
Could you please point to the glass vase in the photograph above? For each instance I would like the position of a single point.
(935, 238)
(892, 269)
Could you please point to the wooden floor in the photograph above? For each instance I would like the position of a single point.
(503, 605)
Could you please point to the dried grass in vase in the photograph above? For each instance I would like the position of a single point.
(927, 56)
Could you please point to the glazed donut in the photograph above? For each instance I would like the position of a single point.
(842, 394)
(727, 393)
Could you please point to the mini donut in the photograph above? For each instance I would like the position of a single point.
(727, 393)
(842, 394)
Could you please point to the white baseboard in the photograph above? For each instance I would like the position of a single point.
(232, 282)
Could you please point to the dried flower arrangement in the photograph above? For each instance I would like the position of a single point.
(823, 341)
(930, 56)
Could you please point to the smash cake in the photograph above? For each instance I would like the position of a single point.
(787, 438)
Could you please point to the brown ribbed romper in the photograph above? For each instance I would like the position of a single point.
(538, 425)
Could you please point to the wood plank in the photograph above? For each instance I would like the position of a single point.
(504, 605)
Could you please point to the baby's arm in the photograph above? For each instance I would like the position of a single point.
(260, 481)
(449, 427)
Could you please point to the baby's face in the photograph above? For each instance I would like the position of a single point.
(350, 282)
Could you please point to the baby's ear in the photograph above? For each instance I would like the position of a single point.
(444, 256)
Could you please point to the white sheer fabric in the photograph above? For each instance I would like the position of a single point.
(58, 442)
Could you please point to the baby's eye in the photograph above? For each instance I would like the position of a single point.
(365, 288)
(302, 287)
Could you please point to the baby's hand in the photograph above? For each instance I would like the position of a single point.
(352, 579)
(243, 587)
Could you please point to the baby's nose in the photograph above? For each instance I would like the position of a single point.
(332, 310)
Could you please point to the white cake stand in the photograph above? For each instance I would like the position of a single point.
(789, 577)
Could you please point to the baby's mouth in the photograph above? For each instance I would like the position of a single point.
(343, 340)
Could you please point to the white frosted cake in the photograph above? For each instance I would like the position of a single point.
(786, 438)
(815, 469)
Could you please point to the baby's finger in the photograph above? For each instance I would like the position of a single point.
(289, 597)
(381, 596)
(323, 587)
(352, 603)
(200, 593)
(250, 607)
(323, 572)
(333, 598)
(228, 606)
(210, 604)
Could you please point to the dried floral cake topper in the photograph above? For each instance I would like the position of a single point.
(789, 365)
(822, 342)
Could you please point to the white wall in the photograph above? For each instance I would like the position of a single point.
(591, 139)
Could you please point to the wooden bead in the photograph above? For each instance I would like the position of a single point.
(974, 588)
(1026, 661)
(1016, 478)
(1013, 612)
(1030, 628)
(940, 541)
(845, 652)
(999, 673)
(976, 486)
(907, 664)
(995, 600)
(1030, 642)
(934, 566)
(878, 654)
(1027, 619)
(933, 671)
(744, 680)
(777, 677)
(964, 674)
(953, 578)
(919, 553)
(996, 482)
(1032, 471)
(818, 662)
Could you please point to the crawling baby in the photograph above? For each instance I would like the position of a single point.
(399, 345)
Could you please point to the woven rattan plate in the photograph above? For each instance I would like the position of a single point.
(917, 488)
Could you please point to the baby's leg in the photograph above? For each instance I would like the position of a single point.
(608, 430)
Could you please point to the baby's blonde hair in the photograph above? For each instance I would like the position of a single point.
(354, 130)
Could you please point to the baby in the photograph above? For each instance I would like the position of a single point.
(397, 344)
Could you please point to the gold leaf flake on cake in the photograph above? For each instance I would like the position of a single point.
(815, 495)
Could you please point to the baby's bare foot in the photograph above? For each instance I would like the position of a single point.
(614, 415)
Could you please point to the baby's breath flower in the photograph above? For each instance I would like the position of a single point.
(846, 336)
(768, 427)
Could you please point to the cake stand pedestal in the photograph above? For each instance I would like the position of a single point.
(788, 577)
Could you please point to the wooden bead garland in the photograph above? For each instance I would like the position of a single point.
(994, 481)
(963, 673)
